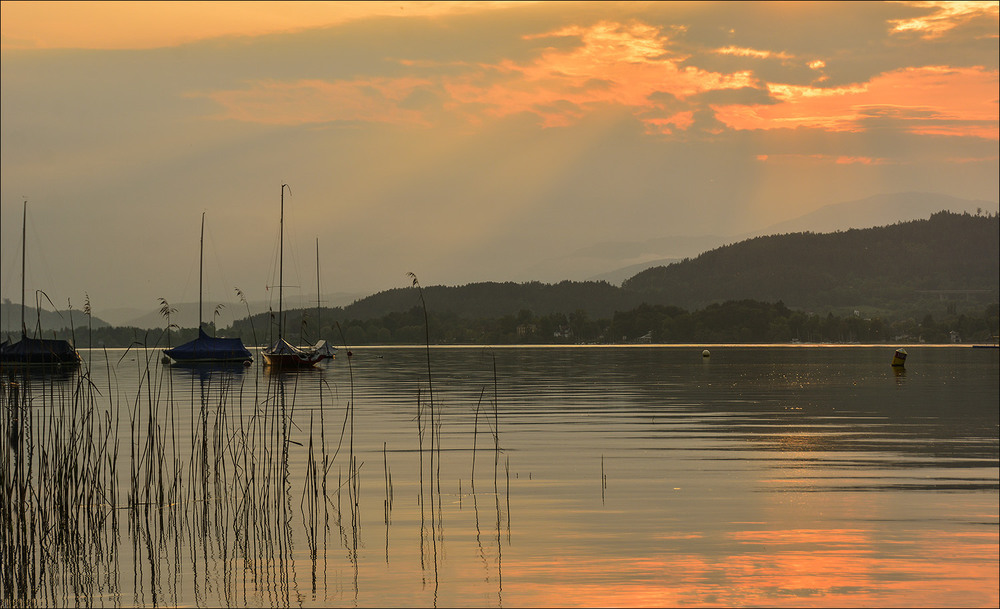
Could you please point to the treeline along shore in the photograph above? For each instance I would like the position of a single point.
(933, 281)
(744, 321)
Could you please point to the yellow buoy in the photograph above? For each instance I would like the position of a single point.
(899, 359)
(705, 353)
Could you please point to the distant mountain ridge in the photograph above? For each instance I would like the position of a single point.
(877, 210)
(891, 267)
(947, 256)
(493, 299)
(10, 318)
(624, 259)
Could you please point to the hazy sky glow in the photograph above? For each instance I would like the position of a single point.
(463, 141)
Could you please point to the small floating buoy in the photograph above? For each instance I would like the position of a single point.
(899, 359)
(706, 353)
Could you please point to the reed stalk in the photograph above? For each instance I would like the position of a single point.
(220, 497)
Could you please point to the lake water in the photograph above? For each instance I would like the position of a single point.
(578, 476)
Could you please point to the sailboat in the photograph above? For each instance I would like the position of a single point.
(35, 351)
(208, 349)
(282, 354)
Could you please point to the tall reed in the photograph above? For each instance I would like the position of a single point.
(57, 493)
(201, 500)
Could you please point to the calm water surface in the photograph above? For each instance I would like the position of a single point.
(585, 476)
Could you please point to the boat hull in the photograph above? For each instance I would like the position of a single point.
(38, 352)
(210, 350)
(211, 360)
(282, 355)
(285, 361)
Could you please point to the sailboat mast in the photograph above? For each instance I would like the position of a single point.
(24, 238)
(201, 268)
(281, 263)
(319, 326)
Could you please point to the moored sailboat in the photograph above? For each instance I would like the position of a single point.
(35, 351)
(38, 351)
(282, 355)
(208, 349)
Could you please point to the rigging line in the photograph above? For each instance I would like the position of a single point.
(42, 263)
(291, 238)
(182, 311)
(11, 254)
(211, 287)
(271, 284)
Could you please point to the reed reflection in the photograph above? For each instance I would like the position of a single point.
(635, 478)
(208, 492)
(57, 491)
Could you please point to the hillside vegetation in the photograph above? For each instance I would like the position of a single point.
(597, 298)
(889, 268)
(906, 268)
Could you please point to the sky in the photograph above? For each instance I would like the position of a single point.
(462, 142)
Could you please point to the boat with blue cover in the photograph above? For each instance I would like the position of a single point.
(208, 349)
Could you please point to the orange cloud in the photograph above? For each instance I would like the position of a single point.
(681, 121)
(822, 158)
(945, 16)
(756, 53)
(632, 66)
(936, 100)
(615, 65)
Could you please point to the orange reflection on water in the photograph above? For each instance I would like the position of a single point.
(790, 567)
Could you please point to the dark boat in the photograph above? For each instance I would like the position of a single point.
(207, 349)
(38, 352)
(35, 351)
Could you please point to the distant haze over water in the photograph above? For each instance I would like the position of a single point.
(585, 264)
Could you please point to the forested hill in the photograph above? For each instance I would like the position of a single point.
(10, 318)
(490, 299)
(951, 255)
(902, 266)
